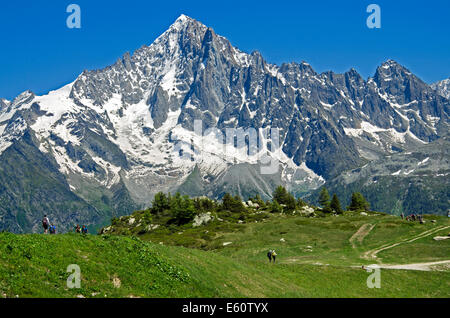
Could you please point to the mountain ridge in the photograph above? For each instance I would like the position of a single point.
(126, 125)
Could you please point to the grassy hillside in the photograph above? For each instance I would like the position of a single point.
(319, 257)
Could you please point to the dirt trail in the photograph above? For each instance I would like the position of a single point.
(361, 233)
(373, 252)
(418, 266)
(429, 266)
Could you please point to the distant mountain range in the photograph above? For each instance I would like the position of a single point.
(103, 145)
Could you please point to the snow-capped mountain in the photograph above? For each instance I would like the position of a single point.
(110, 140)
(3, 103)
(442, 87)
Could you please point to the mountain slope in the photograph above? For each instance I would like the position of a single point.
(408, 182)
(32, 186)
(120, 134)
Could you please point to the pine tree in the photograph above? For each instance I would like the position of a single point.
(291, 204)
(183, 209)
(281, 195)
(238, 206)
(335, 205)
(160, 203)
(227, 202)
(175, 202)
(233, 204)
(358, 203)
(324, 198)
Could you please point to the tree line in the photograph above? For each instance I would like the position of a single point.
(184, 208)
(357, 203)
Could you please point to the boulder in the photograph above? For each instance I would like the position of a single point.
(250, 204)
(202, 218)
(306, 211)
(151, 227)
(441, 238)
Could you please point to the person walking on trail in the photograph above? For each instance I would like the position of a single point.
(45, 224)
(274, 255)
(78, 229)
(84, 229)
(269, 255)
(52, 229)
(402, 215)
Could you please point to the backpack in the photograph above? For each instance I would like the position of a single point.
(44, 221)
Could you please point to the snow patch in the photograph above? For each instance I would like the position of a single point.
(423, 161)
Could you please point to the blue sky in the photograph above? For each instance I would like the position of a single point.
(40, 53)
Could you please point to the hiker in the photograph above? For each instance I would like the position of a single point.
(84, 229)
(402, 215)
(52, 229)
(269, 255)
(45, 223)
(413, 216)
(274, 255)
(78, 228)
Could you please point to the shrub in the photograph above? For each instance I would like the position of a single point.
(276, 207)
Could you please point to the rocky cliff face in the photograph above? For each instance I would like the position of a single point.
(442, 88)
(116, 136)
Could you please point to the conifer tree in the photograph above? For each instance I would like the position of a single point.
(160, 203)
(281, 195)
(358, 203)
(335, 205)
(324, 198)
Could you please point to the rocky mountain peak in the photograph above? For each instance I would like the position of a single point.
(442, 88)
(3, 103)
(23, 98)
(391, 70)
(182, 21)
(169, 64)
(400, 84)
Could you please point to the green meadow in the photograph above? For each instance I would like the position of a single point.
(316, 257)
